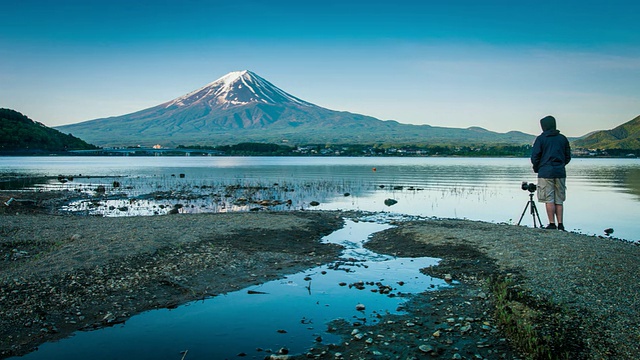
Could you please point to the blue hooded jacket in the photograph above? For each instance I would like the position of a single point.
(551, 151)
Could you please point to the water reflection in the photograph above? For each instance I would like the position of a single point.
(292, 313)
(602, 193)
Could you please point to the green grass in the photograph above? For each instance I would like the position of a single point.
(537, 328)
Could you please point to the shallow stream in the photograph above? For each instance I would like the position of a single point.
(292, 313)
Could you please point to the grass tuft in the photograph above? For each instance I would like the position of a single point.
(537, 328)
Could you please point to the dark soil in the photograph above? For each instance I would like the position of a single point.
(60, 274)
(515, 292)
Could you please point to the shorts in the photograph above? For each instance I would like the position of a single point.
(552, 190)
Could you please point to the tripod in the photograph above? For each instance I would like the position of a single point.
(534, 211)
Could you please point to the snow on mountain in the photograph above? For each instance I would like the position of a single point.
(236, 89)
(243, 107)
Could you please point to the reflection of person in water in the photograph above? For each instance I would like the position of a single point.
(550, 154)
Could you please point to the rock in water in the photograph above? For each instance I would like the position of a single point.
(390, 202)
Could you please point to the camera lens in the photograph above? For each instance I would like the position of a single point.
(531, 187)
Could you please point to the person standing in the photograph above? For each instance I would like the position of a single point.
(550, 154)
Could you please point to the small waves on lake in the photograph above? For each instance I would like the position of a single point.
(602, 193)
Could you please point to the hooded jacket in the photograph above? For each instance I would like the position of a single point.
(551, 151)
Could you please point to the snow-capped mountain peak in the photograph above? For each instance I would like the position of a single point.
(237, 88)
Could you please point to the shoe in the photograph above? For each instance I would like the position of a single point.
(551, 227)
(561, 227)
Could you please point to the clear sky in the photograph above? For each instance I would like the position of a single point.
(501, 65)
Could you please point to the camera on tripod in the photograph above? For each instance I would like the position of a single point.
(531, 187)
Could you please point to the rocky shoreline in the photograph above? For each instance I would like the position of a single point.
(516, 292)
(551, 294)
(60, 274)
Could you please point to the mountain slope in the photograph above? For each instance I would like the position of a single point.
(242, 106)
(18, 133)
(625, 136)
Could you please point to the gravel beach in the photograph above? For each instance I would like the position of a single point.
(577, 294)
(580, 292)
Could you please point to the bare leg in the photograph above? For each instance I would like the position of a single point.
(551, 212)
(559, 213)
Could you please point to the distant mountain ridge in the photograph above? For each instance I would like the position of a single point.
(625, 136)
(244, 107)
(20, 134)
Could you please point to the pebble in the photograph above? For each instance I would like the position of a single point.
(427, 349)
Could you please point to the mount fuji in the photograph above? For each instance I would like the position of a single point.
(244, 107)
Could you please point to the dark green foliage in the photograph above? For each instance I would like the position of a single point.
(246, 149)
(255, 148)
(18, 133)
(623, 137)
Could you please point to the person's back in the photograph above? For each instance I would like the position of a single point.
(549, 155)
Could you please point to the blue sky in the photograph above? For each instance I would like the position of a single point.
(501, 65)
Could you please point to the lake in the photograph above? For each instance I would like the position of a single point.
(602, 193)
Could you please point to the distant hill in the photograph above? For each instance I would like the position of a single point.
(625, 136)
(18, 133)
(244, 107)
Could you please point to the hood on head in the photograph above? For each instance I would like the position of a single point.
(548, 123)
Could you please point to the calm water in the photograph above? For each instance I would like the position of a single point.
(602, 193)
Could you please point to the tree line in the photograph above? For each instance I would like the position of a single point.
(267, 149)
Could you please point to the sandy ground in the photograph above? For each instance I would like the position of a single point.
(578, 294)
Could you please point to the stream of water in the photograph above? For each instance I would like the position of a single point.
(292, 313)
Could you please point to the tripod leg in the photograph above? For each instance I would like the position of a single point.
(523, 212)
(534, 214)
